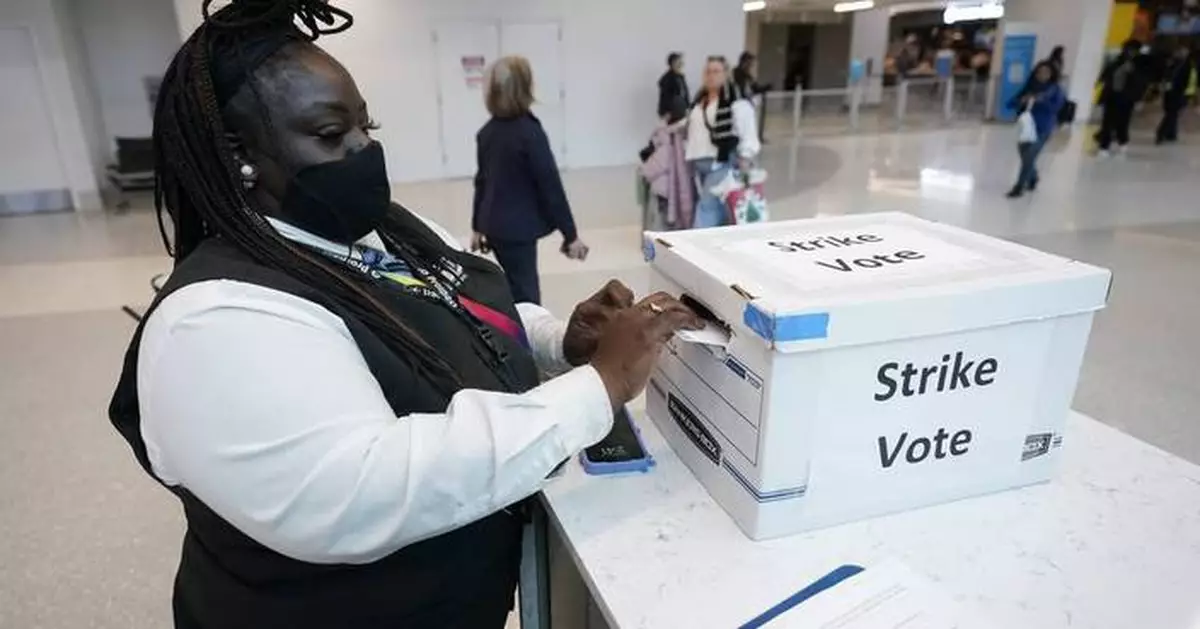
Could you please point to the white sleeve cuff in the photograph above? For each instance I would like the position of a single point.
(584, 389)
(546, 333)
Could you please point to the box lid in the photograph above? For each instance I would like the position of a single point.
(865, 278)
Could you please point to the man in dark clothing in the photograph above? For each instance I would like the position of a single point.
(1124, 86)
(673, 97)
(746, 85)
(1175, 95)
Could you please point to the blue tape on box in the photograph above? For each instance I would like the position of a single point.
(800, 327)
(648, 248)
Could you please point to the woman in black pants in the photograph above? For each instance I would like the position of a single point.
(519, 197)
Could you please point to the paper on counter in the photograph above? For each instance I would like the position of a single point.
(710, 335)
(888, 595)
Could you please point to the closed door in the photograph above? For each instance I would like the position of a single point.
(30, 161)
(463, 50)
(541, 44)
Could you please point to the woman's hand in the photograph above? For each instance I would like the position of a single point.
(589, 320)
(632, 341)
(479, 243)
(575, 250)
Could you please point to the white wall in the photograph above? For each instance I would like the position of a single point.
(70, 105)
(613, 54)
(869, 41)
(1079, 26)
(87, 104)
(126, 40)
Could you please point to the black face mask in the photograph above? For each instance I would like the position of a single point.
(341, 200)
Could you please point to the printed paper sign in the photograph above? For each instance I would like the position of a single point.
(917, 421)
(871, 254)
(473, 67)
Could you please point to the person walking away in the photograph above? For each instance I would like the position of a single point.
(1123, 86)
(519, 196)
(1179, 75)
(745, 79)
(721, 136)
(672, 87)
(1042, 99)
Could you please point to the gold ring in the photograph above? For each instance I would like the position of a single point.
(655, 308)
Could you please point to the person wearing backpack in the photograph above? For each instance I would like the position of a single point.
(1124, 86)
(1041, 101)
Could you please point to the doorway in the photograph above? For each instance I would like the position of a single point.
(32, 178)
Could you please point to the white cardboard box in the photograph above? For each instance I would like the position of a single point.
(876, 363)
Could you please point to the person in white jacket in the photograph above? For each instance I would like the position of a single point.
(721, 135)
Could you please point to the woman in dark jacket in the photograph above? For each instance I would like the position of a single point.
(519, 197)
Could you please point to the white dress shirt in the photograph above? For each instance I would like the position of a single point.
(260, 404)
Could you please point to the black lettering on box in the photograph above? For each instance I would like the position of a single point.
(694, 429)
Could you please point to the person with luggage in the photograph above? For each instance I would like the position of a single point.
(722, 136)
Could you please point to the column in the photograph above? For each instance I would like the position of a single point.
(1079, 26)
(868, 44)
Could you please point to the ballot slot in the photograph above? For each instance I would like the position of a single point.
(720, 368)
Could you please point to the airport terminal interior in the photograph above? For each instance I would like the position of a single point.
(88, 540)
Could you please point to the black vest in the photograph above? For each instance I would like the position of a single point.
(463, 579)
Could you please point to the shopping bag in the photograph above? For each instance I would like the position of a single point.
(748, 205)
(742, 194)
(1026, 128)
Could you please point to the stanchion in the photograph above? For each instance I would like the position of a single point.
(796, 110)
(948, 100)
(856, 92)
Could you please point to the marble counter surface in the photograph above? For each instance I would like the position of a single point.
(1112, 543)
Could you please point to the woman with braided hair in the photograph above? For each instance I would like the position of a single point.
(348, 406)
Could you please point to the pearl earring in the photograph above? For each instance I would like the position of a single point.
(249, 175)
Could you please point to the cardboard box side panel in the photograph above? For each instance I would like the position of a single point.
(717, 479)
(794, 400)
(948, 312)
(736, 382)
(1063, 357)
(740, 435)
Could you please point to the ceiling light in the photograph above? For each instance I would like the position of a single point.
(973, 13)
(857, 5)
(754, 5)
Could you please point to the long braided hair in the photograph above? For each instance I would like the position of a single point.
(198, 184)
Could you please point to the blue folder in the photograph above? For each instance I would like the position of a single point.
(813, 589)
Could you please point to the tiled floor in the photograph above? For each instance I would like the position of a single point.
(88, 541)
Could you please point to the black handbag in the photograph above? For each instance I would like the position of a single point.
(1066, 115)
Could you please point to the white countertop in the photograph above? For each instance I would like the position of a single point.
(1112, 543)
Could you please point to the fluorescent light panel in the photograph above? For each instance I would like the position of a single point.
(754, 5)
(858, 5)
(972, 13)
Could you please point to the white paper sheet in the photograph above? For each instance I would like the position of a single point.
(710, 335)
(888, 595)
